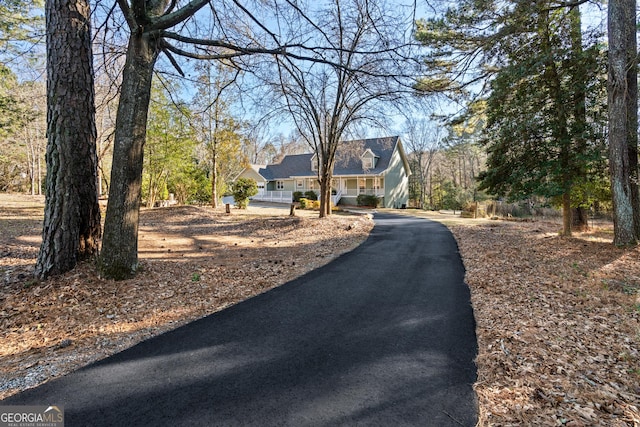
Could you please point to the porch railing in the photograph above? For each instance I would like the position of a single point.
(335, 198)
(274, 196)
(367, 191)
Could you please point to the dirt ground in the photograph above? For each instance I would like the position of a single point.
(558, 319)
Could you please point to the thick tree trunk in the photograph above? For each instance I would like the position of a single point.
(325, 202)
(119, 255)
(621, 17)
(71, 229)
(325, 190)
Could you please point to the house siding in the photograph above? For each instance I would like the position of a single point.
(289, 185)
(250, 173)
(396, 182)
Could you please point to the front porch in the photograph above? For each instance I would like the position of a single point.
(352, 187)
(345, 189)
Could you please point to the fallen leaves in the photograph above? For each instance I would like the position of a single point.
(195, 261)
(558, 320)
(558, 325)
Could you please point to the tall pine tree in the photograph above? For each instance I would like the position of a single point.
(71, 229)
(540, 134)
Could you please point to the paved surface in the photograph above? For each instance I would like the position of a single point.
(383, 336)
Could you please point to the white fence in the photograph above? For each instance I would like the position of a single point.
(274, 196)
(286, 196)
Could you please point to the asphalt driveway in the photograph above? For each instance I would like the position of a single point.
(383, 335)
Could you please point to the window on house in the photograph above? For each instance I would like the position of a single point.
(367, 163)
(300, 183)
(279, 185)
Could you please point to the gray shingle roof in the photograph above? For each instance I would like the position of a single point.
(293, 165)
(348, 160)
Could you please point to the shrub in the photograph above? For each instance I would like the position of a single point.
(309, 204)
(311, 195)
(297, 195)
(242, 189)
(368, 200)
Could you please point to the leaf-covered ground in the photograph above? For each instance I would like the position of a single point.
(558, 320)
(558, 324)
(195, 261)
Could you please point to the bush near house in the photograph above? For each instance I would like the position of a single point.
(311, 195)
(297, 195)
(368, 200)
(242, 189)
(309, 204)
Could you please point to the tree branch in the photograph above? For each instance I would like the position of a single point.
(173, 61)
(128, 14)
(169, 20)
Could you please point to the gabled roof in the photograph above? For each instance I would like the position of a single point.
(348, 160)
(293, 165)
(349, 155)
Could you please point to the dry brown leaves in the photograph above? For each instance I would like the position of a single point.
(195, 261)
(558, 320)
(558, 324)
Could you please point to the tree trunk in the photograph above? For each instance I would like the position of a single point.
(325, 202)
(621, 16)
(71, 228)
(214, 178)
(579, 220)
(632, 116)
(119, 255)
(566, 214)
(560, 130)
(325, 190)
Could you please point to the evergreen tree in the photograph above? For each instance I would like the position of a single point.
(170, 148)
(220, 133)
(543, 103)
(21, 26)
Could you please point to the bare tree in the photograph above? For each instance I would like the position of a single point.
(219, 131)
(149, 25)
(360, 72)
(424, 139)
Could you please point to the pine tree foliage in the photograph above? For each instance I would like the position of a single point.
(21, 26)
(544, 91)
(170, 147)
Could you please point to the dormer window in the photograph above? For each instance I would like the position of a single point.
(368, 160)
(314, 163)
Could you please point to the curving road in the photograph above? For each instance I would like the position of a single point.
(383, 335)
